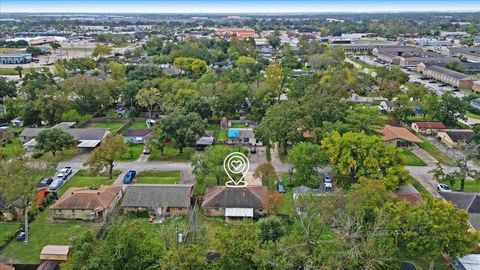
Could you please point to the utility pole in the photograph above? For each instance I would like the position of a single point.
(26, 223)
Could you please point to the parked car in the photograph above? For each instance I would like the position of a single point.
(423, 78)
(253, 149)
(56, 184)
(146, 151)
(443, 85)
(66, 170)
(128, 178)
(281, 187)
(432, 81)
(21, 235)
(327, 181)
(45, 182)
(443, 188)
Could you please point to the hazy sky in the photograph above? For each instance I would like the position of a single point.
(235, 6)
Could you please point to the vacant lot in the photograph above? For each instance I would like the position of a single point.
(44, 231)
(133, 152)
(158, 177)
(171, 153)
(85, 179)
(111, 126)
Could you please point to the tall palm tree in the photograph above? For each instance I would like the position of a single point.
(19, 70)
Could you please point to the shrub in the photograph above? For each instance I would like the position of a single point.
(36, 155)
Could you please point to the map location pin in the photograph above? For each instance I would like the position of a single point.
(236, 165)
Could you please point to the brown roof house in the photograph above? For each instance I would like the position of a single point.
(454, 137)
(234, 202)
(398, 136)
(427, 127)
(159, 200)
(136, 136)
(87, 203)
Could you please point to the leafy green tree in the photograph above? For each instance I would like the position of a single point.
(232, 99)
(54, 140)
(117, 70)
(187, 256)
(271, 228)
(101, 50)
(306, 158)
(19, 70)
(183, 129)
(403, 108)
(358, 154)
(364, 119)
(245, 64)
(149, 98)
(210, 163)
(282, 123)
(91, 95)
(193, 66)
(103, 156)
(266, 172)
(55, 46)
(367, 198)
(432, 228)
(136, 250)
(154, 46)
(237, 245)
(157, 140)
(201, 106)
(450, 109)
(7, 89)
(52, 103)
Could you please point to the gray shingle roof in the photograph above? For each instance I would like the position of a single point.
(449, 72)
(234, 197)
(77, 133)
(154, 196)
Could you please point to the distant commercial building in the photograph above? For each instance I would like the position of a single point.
(453, 34)
(432, 42)
(390, 54)
(469, 53)
(446, 75)
(364, 48)
(41, 41)
(427, 58)
(94, 27)
(15, 58)
(358, 35)
(239, 33)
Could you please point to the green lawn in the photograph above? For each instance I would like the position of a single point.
(137, 125)
(171, 153)
(222, 135)
(7, 230)
(111, 126)
(158, 177)
(470, 186)
(472, 115)
(213, 128)
(412, 159)
(434, 152)
(60, 156)
(12, 149)
(202, 184)
(12, 71)
(133, 152)
(84, 179)
(44, 231)
(237, 125)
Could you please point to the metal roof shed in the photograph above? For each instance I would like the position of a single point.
(239, 212)
(88, 143)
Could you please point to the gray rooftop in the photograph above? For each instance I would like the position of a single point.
(155, 195)
(77, 133)
(448, 72)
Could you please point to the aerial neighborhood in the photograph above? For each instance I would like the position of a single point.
(360, 133)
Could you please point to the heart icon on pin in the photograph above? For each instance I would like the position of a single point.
(234, 164)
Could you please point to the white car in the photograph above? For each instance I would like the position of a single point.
(443, 188)
(327, 181)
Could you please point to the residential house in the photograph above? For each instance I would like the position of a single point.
(87, 203)
(468, 201)
(137, 136)
(476, 86)
(453, 137)
(475, 103)
(386, 105)
(158, 200)
(398, 136)
(244, 136)
(18, 122)
(87, 138)
(205, 140)
(427, 127)
(234, 202)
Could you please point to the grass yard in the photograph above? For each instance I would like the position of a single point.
(133, 152)
(7, 230)
(237, 125)
(171, 153)
(222, 135)
(44, 231)
(12, 71)
(412, 159)
(470, 186)
(84, 179)
(434, 152)
(137, 125)
(12, 149)
(472, 115)
(158, 177)
(202, 184)
(111, 126)
(213, 128)
(60, 156)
